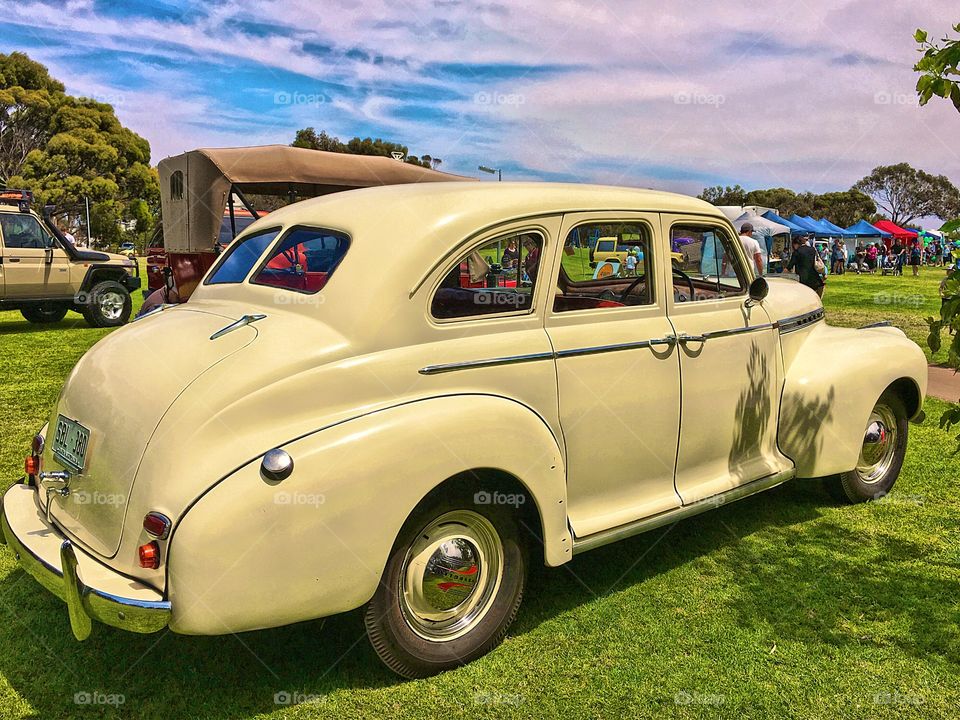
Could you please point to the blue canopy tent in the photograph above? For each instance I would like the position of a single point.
(862, 228)
(837, 230)
(794, 229)
(809, 226)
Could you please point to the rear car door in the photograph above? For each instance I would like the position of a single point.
(618, 375)
(730, 366)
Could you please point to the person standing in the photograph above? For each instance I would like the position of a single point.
(751, 247)
(916, 255)
(803, 263)
(838, 257)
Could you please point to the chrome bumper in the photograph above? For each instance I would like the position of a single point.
(84, 603)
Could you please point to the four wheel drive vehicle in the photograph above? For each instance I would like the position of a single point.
(617, 249)
(204, 198)
(43, 275)
(402, 440)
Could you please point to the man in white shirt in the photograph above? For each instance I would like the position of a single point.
(751, 247)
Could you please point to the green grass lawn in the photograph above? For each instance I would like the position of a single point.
(782, 605)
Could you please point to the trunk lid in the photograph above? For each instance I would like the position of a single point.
(119, 392)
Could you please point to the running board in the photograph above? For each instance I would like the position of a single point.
(621, 532)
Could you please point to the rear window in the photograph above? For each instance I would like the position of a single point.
(241, 258)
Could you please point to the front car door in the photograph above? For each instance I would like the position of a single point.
(27, 266)
(618, 374)
(730, 367)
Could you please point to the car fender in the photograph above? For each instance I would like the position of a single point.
(253, 553)
(833, 380)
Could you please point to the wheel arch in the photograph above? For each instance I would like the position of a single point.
(98, 273)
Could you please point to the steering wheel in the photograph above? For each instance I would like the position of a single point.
(681, 273)
(630, 287)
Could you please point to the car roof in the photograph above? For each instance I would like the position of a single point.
(468, 207)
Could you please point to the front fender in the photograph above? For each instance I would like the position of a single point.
(833, 379)
(252, 553)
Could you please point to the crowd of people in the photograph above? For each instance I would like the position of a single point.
(877, 256)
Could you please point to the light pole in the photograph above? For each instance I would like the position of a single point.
(491, 171)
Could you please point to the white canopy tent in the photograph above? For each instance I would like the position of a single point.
(763, 231)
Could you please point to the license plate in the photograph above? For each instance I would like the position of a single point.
(70, 443)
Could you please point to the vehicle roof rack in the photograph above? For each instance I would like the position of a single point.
(20, 198)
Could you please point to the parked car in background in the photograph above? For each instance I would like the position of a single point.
(350, 421)
(44, 276)
(127, 249)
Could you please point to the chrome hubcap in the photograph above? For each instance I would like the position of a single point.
(451, 575)
(111, 305)
(879, 445)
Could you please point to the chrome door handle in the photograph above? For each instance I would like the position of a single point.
(685, 338)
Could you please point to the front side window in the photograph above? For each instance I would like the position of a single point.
(705, 263)
(23, 231)
(496, 278)
(621, 276)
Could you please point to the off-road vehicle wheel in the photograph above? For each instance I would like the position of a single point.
(881, 456)
(451, 588)
(108, 304)
(45, 313)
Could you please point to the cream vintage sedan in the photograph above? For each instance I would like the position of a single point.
(400, 397)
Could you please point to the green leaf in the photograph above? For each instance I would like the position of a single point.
(920, 36)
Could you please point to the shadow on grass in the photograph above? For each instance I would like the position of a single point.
(799, 580)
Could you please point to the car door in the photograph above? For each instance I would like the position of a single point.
(730, 368)
(34, 266)
(618, 376)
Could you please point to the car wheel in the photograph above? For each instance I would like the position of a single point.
(881, 455)
(450, 590)
(108, 305)
(45, 313)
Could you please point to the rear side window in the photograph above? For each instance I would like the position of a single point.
(304, 260)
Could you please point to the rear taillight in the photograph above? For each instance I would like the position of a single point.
(156, 524)
(31, 464)
(150, 555)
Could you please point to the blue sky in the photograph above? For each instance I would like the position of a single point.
(807, 95)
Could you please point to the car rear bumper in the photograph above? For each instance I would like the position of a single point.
(91, 590)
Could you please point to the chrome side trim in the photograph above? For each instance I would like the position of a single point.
(670, 340)
(882, 323)
(621, 532)
(242, 322)
(798, 321)
(492, 362)
(737, 331)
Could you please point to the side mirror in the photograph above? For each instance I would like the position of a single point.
(758, 291)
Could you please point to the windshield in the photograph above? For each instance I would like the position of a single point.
(226, 232)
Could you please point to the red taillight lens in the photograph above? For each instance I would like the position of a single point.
(156, 524)
(31, 465)
(150, 555)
